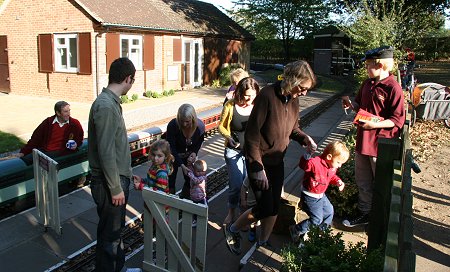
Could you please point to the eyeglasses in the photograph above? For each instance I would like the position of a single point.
(132, 80)
(302, 89)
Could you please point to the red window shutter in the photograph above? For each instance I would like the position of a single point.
(112, 48)
(45, 45)
(149, 52)
(177, 50)
(84, 53)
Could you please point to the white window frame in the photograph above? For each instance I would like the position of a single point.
(58, 47)
(137, 59)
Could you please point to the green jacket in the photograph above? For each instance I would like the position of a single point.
(108, 147)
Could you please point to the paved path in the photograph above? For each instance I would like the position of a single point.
(20, 115)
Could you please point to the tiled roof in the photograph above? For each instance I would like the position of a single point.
(183, 16)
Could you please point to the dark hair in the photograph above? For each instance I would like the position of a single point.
(59, 105)
(243, 85)
(120, 69)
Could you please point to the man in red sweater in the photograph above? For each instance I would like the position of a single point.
(53, 134)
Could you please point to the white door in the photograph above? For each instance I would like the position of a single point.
(193, 62)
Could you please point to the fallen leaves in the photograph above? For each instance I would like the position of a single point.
(427, 137)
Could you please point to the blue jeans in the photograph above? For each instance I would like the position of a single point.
(237, 172)
(319, 210)
(110, 255)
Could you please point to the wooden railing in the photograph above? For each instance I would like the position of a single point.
(171, 243)
(391, 227)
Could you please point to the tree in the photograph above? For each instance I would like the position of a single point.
(372, 24)
(284, 19)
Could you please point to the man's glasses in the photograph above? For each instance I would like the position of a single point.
(132, 80)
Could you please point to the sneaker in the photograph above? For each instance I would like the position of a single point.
(194, 223)
(265, 244)
(295, 234)
(304, 237)
(362, 219)
(233, 240)
(251, 235)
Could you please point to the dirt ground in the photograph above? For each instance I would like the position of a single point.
(431, 187)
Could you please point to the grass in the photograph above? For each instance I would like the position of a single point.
(270, 75)
(329, 85)
(9, 142)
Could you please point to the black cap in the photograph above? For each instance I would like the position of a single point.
(383, 52)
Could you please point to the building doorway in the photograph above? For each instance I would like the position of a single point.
(4, 68)
(193, 62)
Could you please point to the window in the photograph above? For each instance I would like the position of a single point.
(66, 52)
(131, 47)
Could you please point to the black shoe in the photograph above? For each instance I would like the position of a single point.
(233, 240)
(265, 244)
(362, 219)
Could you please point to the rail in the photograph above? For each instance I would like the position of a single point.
(391, 227)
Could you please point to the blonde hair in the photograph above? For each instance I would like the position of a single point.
(388, 63)
(163, 146)
(294, 73)
(200, 165)
(187, 111)
(237, 75)
(336, 149)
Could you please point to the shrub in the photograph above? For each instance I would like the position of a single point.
(171, 92)
(165, 93)
(148, 94)
(224, 74)
(345, 202)
(134, 97)
(324, 251)
(216, 83)
(124, 99)
(155, 94)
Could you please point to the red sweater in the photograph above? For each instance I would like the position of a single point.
(318, 175)
(42, 135)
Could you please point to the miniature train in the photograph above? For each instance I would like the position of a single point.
(17, 178)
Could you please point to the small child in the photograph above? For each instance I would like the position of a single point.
(320, 171)
(197, 176)
(160, 169)
(248, 201)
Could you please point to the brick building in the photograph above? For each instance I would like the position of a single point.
(62, 48)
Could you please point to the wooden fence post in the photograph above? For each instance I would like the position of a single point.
(388, 151)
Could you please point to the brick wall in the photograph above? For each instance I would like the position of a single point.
(22, 21)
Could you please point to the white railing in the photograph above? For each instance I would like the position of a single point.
(171, 243)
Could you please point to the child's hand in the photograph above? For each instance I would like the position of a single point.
(346, 103)
(185, 169)
(191, 158)
(366, 124)
(341, 185)
(137, 181)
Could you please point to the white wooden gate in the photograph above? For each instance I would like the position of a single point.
(170, 241)
(46, 193)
